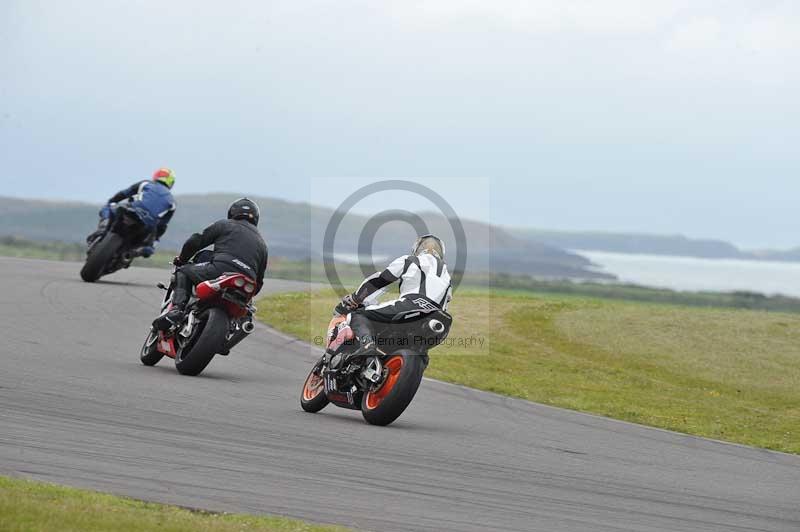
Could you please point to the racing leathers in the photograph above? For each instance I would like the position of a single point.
(153, 203)
(238, 247)
(425, 286)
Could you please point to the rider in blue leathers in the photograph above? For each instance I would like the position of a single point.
(152, 200)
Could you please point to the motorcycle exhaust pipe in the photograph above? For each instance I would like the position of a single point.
(248, 327)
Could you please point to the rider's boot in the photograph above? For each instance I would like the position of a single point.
(180, 296)
(363, 334)
(147, 248)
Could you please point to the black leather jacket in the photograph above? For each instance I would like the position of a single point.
(237, 243)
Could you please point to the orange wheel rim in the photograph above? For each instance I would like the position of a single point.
(313, 386)
(392, 367)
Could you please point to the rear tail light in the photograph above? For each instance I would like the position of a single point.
(206, 290)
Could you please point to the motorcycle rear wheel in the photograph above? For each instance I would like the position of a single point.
(207, 340)
(99, 256)
(403, 375)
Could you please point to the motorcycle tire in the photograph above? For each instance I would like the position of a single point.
(403, 374)
(313, 397)
(150, 355)
(99, 257)
(207, 340)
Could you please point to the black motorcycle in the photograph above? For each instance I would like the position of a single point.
(380, 380)
(117, 245)
(219, 315)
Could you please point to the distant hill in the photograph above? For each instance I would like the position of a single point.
(295, 231)
(676, 245)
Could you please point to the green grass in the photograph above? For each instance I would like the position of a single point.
(19, 247)
(27, 506)
(721, 373)
(630, 292)
(72, 252)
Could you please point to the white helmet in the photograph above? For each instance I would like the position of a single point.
(430, 244)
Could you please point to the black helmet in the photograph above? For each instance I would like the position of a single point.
(244, 209)
(430, 244)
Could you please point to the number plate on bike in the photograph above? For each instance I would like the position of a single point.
(235, 297)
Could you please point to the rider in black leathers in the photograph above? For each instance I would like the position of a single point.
(238, 247)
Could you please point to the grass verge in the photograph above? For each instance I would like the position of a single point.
(27, 506)
(722, 373)
(70, 252)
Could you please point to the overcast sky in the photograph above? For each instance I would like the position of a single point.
(651, 116)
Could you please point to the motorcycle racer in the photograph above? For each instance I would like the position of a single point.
(238, 247)
(153, 203)
(425, 286)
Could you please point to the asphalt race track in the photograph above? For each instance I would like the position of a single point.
(77, 408)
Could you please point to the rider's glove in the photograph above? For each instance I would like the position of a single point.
(350, 302)
(177, 261)
(347, 304)
(107, 210)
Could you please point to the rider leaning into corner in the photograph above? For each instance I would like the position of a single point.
(151, 200)
(425, 287)
(238, 247)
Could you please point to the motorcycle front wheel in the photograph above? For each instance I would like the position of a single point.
(99, 257)
(313, 398)
(150, 355)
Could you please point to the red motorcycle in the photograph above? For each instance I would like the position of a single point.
(218, 316)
